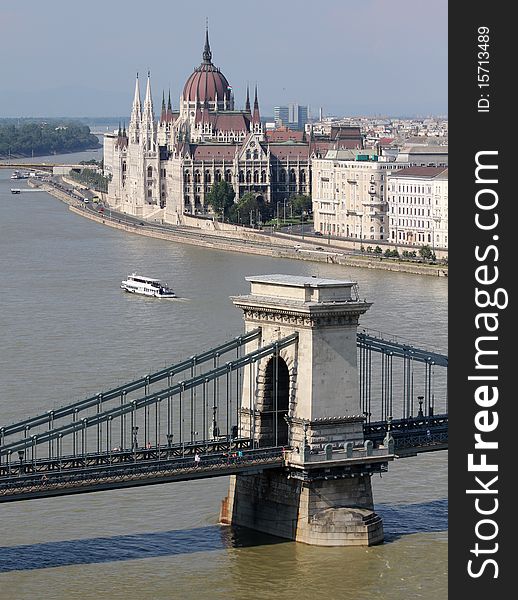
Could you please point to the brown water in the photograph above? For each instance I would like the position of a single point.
(69, 331)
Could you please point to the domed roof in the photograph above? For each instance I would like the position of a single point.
(207, 81)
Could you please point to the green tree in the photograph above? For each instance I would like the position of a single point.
(249, 203)
(378, 250)
(221, 198)
(300, 203)
(427, 253)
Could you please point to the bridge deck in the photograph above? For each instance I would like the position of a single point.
(133, 469)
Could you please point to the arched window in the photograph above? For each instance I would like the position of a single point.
(150, 172)
(303, 176)
(187, 177)
(256, 176)
(256, 155)
(207, 177)
(282, 175)
(228, 176)
(248, 155)
(241, 177)
(248, 176)
(217, 176)
(292, 175)
(197, 177)
(263, 176)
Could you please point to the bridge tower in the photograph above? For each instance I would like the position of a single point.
(305, 398)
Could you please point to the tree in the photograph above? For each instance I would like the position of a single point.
(427, 253)
(300, 203)
(221, 198)
(249, 203)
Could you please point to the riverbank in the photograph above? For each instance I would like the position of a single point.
(233, 242)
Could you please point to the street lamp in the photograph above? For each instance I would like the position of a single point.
(284, 212)
(278, 221)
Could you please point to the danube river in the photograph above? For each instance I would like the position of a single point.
(69, 331)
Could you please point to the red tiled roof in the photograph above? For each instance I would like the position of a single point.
(290, 151)
(419, 172)
(283, 134)
(213, 151)
(226, 121)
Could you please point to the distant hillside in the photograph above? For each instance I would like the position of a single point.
(21, 137)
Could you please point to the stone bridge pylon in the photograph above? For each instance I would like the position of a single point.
(305, 398)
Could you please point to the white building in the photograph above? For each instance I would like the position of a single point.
(418, 207)
(349, 193)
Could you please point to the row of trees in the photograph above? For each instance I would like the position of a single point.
(221, 198)
(90, 178)
(38, 139)
(425, 252)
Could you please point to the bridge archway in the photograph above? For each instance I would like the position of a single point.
(274, 402)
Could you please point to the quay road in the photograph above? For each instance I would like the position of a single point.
(310, 247)
(286, 247)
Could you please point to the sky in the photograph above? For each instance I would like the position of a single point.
(350, 57)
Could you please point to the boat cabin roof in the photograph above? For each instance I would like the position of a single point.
(134, 276)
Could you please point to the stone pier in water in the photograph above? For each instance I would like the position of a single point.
(305, 398)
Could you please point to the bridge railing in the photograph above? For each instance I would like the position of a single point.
(399, 380)
(21, 485)
(121, 394)
(202, 407)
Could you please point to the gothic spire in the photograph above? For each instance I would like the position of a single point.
(207, 54)
(163, 113)
(136, 111)
(148, 102)
(256, 117)
(247, 103)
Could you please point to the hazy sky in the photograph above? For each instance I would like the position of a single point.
(64, 57)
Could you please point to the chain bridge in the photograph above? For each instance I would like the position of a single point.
(301, 401)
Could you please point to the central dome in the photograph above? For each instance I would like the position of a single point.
(207, 82)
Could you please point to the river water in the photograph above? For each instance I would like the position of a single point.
(68, 331)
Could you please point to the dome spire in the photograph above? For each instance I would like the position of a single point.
(207, 54)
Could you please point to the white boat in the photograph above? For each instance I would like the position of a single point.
(136, 284)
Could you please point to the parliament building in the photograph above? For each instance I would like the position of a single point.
(165, 167)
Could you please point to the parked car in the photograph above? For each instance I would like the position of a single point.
(319, 233)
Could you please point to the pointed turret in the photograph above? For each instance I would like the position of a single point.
(147, 113)
(163, 114)
(256, 117)
(148, 117)
(136, 115)
(169, 108)
(247, 103)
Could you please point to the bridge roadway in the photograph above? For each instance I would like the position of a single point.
(116, 468)
(130, 468)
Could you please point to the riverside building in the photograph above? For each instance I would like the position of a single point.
(349, 193)
(418, 207)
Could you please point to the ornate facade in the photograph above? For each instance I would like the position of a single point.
(165, 167)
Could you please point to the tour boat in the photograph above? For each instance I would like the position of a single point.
(136, 284)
